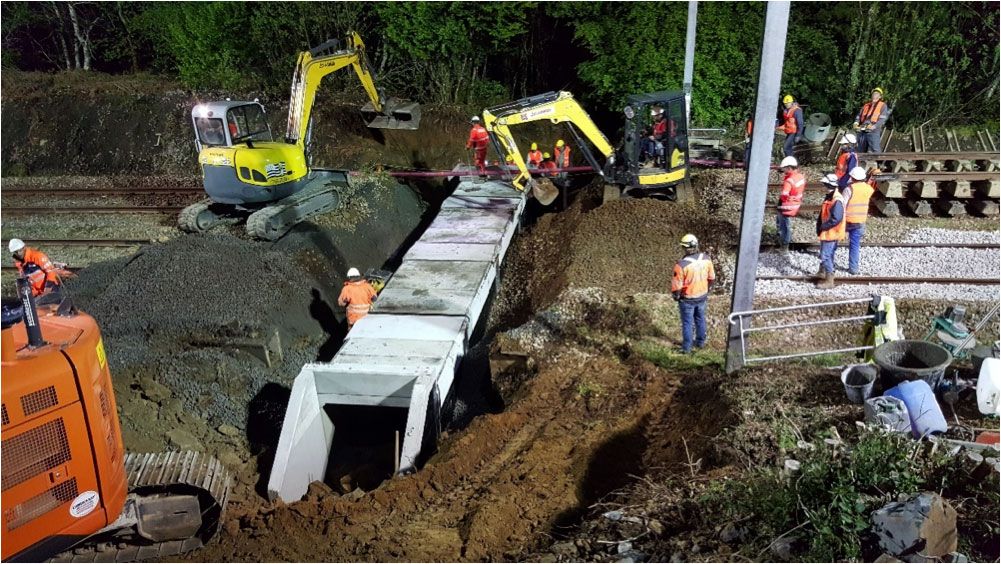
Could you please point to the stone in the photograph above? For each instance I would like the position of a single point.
(154, 391)
(887, 558)
(924, 524)
(782, 548)
(318, 489)
(631, 556)
(358, 493)
(228, 430)
(184, 440)
(732, 533)
(566, 548)
(548, 557)
(656, 527)
(230, 458)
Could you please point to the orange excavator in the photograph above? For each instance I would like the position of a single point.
(70, 491)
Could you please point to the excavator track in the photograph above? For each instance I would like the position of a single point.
(154, 477)
(321, 195)
(200, 216)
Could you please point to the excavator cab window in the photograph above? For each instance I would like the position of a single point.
(676, 144)
(210, 132)
(247, 123)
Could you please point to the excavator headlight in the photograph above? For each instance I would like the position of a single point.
(630, 112)
(611, 160)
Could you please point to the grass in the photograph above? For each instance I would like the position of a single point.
(668, 358)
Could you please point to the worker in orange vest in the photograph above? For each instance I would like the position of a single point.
(830, 229)
(793, 184)
(478, 140)
(690, 284)
(748, 131)
(534, 157)
(562, 154)
(42, 273)
(357, 296)
(847, 159)
(870, 121)
(549, 164)
(791, 124)
(856, 212)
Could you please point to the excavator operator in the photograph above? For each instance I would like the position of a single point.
(39, 270)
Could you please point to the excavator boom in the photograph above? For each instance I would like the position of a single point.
(556, 107)
(327, 58)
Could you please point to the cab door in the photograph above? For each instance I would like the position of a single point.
(676, 158)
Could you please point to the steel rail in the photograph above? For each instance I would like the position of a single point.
(815, 245)
(890, 280)
(11, 210)
(102, 192)
(87, 242)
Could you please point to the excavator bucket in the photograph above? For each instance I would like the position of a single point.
(397, 114)
(545, 191)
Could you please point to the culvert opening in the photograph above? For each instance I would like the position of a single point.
(364, 451)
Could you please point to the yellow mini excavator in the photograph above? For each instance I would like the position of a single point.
(246, 172)
(639, 166)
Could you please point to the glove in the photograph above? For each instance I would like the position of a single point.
(855, 125)
(677, 296)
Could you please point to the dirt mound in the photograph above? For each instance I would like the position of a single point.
(623, 247)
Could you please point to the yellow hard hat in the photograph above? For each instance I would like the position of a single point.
(689, 241)
(546, 155)
(535, 146)
(560, 143)
(877, 89)
(787, 98)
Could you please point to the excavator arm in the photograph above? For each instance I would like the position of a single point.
(557, 107)
(327, 58)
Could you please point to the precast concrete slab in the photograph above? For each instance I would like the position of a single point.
(407, 352)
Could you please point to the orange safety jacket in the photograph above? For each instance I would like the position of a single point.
(550, 166)
(562, 156)
(871, 113)
(836, 233)
(789, 119)
(534, 158)
(792, 193)
(692, 276)
(844, 163)
(42, 261)
(357, 296)
(478, 138)
(857, 210)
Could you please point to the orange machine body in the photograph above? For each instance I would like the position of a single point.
(63, 458)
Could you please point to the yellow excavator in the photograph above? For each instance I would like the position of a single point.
(641, 165)
(245, 171)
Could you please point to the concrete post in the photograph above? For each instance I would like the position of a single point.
(693, 8)
(756, 185)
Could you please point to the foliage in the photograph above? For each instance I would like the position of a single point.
(936, 60)
(828, 502)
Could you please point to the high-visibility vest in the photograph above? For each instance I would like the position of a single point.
(789, 119)
(845, 163)
(562, 156)
(41, 260)
(534, 158)
(871, 112)
(792, 193)
(357, 296)
(692, 275)
(478, 137)
(857, 209)
(836, 233)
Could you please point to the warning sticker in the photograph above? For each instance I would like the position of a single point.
(100, 353)
(84, 504)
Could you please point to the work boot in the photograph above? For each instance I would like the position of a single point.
(820, 273)
(784, 249)
(827, 283)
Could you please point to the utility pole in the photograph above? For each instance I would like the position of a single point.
(693, 8)
(756, 184)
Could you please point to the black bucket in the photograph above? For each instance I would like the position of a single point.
(912, 360)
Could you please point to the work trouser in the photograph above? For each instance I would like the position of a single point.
(789, 144)
(855, 232)
(782, 224)
(481, 158)
(827, 249)
(53, 294)
(693, 312)
(868, 141)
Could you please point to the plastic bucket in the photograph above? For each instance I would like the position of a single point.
(912, 360)
(858, 381)
(818, 128)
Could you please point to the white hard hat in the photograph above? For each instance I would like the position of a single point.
(689, 241)
(857, 173)
(789, 161)
(830, 179)
(15, 245)
(848, 139)
(353, 273)
(474, 118)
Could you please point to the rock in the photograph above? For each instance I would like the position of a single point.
(731, 533)
(887, 558)
(612, 515)
(318, 490)
(631, 556)
(184, 440)
(154, 391)
(228, 430)
(782, 548)
(656, 527)
(925, 524)
(623, 547)
(567, 549)
(230, 458)
(548, 557)
(358, 493)
(677, 557)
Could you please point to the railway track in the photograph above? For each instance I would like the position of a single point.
(87, 242)
(18, 210)
(124, 192)
(891, 280)
(803, 246)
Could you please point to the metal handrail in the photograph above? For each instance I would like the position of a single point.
(801, 355)
(807, 323)
(795, 307)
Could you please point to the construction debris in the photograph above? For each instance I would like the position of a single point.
(922, 526)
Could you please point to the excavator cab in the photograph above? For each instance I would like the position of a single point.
(225, 124)
(655, 144)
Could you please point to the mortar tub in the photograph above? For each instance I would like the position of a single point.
(912, 360)
(407, 352)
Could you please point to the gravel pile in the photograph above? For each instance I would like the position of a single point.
(884, 261)
(938, 235)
